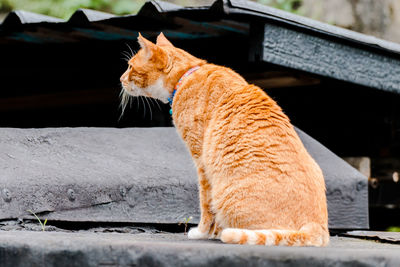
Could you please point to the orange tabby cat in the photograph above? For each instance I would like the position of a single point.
(258, 184)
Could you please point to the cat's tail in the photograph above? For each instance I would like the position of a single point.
(309, 235)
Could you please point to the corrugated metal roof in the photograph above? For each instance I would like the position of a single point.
(25, 17)
(240, 10)
(369, 61)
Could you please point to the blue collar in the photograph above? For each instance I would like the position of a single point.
(171, 98)
(187, 73)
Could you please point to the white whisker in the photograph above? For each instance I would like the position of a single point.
(131, 55)
(151, 113)
(144, 107)
(156, 101)
(125, 98)
(131, 101)
(126, 55)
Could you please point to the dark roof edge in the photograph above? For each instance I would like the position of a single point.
(227, 7)
(252, 8)
(162, 6)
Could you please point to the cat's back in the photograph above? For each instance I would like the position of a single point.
(248, 128)
(242, 125)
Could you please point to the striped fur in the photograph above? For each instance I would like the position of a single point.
(273, 237)
(254, 172)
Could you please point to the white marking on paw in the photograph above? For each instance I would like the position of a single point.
(194, 233)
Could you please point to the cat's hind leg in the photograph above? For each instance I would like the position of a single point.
(215, 231)
(207, 217)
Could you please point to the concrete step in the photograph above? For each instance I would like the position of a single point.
(135, 175)
(26, 248)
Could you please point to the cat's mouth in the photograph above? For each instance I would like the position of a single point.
(132, 90)
(155, 90)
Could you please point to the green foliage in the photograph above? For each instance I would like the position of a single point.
(393, 229)
(287, 5)
(65, 8)
(4, 6)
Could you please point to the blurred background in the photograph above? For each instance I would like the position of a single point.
(379, 18)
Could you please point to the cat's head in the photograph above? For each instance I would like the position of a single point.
(155, 69)
(146, 71)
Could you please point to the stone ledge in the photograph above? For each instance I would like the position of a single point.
(25, 248)
(135, 175)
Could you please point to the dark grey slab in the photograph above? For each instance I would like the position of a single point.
(97, 174)
(392, 237)
(330, 58)
(94, 249)
(142, 175)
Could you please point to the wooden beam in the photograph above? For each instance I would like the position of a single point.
(328, 57)
(280, 79)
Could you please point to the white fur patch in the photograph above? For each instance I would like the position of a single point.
(194, 233)
(251, 237)
(156, 90)
(231, 234)
(269, 237)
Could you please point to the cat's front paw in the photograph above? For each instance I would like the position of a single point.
(195, 233)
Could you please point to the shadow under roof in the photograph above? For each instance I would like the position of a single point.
(278, 37)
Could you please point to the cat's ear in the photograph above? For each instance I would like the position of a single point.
(146, 45)
(154, 52)
(163, 41)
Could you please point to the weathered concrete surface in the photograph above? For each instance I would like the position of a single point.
(94, 249)
(133, 175)
(96, 174)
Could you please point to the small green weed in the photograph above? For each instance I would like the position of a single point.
(185, 222)
(43, 225)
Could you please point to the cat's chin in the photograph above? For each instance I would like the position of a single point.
(155, 90)
(194, 233)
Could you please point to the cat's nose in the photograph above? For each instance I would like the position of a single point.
(122, 79)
